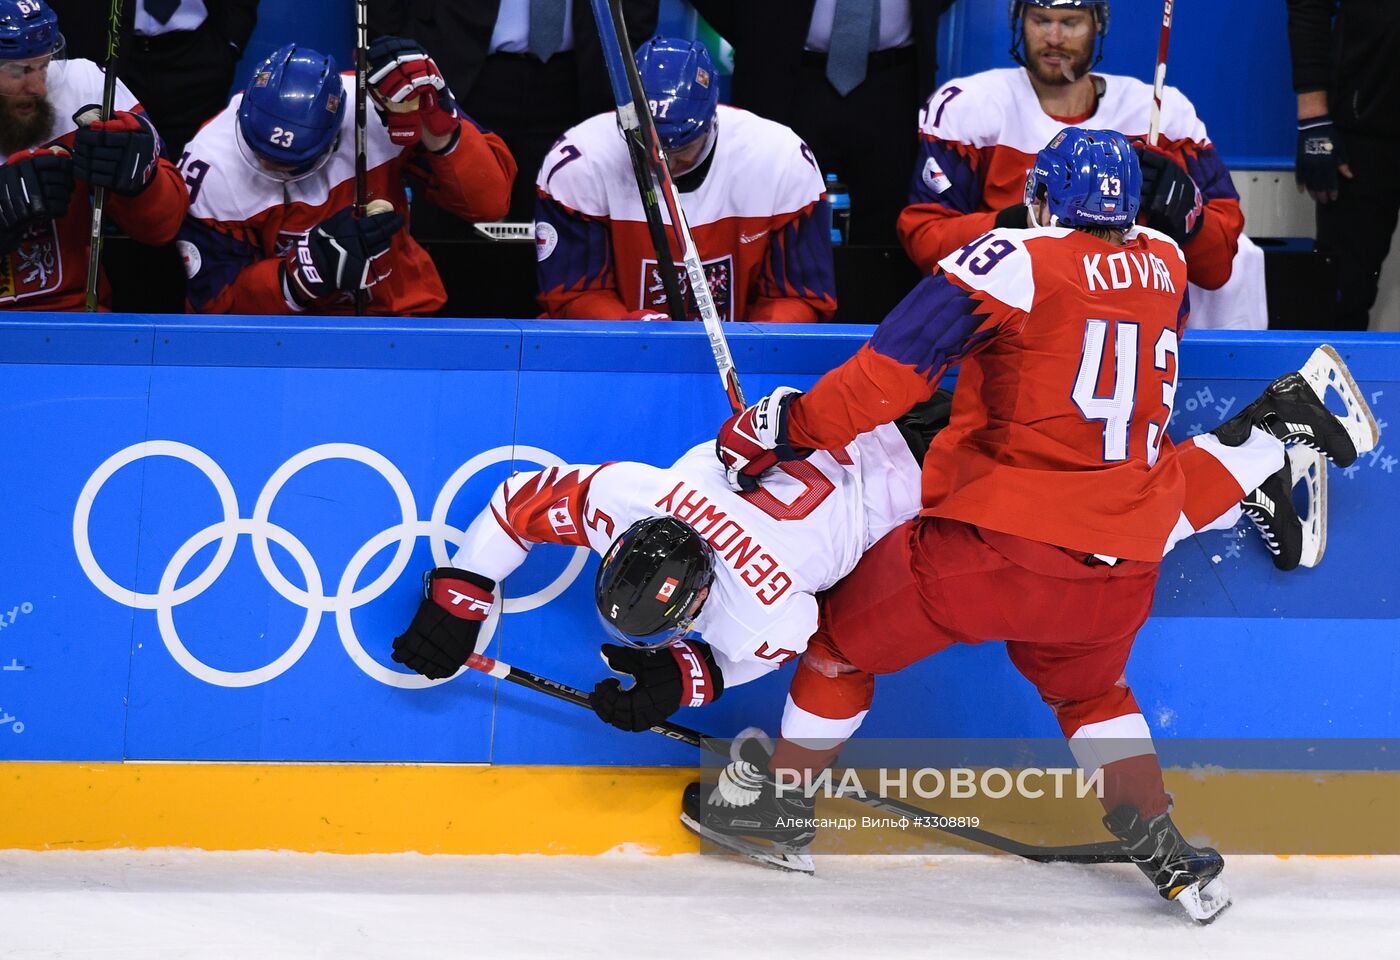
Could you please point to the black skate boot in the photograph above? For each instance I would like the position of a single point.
(1270, 506)
(1180, 872)
(746, 813)
(1292, 408)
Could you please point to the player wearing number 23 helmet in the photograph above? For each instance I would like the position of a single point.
(271, 227)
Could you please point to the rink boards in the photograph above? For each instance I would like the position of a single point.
(216, 526)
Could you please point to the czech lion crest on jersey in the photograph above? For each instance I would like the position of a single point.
(33, 268)
(719, 272)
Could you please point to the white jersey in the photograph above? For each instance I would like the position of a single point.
(752, 217)
(775, 548)
(980, 134)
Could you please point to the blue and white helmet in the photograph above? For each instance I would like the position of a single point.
(29, 31)
(681, 86)
(1090, 178)
(291, 112)
(1017, 10)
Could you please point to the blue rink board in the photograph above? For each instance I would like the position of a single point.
(233, 655)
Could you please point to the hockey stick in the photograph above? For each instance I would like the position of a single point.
(636, 152)
(99, 194)
(1159, 79)
(1105, 852)
(649, 164)
(361, 96)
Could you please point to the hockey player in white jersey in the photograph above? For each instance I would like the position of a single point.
(681, 552)
(979, 134)
(751, 190)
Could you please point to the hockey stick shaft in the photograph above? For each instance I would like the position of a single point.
(361, 110)
(636, 153)
(1106, 852)
(637, 121)
(99, 194)
(1159, 77)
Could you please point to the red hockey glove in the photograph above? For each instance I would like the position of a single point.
(409, 87)
(120, 154)
(647, 315)
(444, 630)
(755, 439)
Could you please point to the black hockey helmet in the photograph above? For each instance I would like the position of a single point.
(652, 582)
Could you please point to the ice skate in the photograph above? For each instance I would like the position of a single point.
(1184, 874)
(1294, 541)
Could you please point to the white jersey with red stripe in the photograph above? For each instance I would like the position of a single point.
(756, 218)
(980, 134)
(774, 548)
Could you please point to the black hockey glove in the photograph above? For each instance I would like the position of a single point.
(1319, 158)
(683, 674)
(120, 154)
(1016, 217)
(35, 186)
(1171, 201)
(338, 254)
(444, 630)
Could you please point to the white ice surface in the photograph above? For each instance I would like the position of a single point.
(154, 905)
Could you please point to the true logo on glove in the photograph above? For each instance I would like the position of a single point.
(474, 604)
(699, 681)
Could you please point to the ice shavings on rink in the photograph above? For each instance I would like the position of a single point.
(155, 905)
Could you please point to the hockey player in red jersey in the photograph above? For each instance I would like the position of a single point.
(979, 134)
(271, 227)
(1046, 503)
(751, 190)
(55, 151)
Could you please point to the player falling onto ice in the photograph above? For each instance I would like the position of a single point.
(1047, 502)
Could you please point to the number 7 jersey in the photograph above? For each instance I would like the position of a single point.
(1068, 347)
(774, 548)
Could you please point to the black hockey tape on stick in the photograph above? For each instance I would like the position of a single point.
(1107, 851)
(361, 96)
(99, 193)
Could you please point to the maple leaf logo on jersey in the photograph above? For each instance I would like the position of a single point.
(667, 589)
(559, 519)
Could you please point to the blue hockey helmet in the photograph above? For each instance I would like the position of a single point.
(1090, 178)
(1017, 11)
(29, 32)
(291, 112)
(681, 87)
(28, 29)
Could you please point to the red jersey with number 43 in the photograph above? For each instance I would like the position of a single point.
(1068, 346)
(774, 548)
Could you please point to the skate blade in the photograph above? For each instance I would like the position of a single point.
(1309, 466)
(1326, 368)
(1203, 905)
(774, 857)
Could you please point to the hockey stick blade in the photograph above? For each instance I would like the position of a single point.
(1108, 851)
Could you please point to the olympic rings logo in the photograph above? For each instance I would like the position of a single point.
(260, 530)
